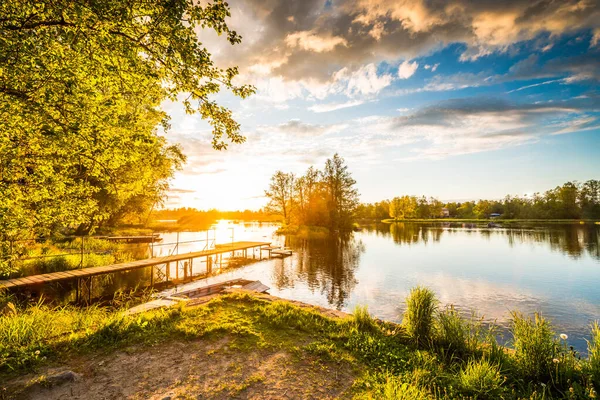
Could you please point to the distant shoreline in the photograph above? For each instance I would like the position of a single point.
(499, 221)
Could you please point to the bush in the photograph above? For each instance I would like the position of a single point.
(456, 336)
(421, 305)
(481, 379)
(534, 344)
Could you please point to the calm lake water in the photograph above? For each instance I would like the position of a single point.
(552, 269)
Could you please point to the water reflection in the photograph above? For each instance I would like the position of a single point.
(327, 264)
(576, 240)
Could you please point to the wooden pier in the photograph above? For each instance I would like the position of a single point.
(158, 274)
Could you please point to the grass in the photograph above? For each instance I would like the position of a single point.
(391, 361)
(594, 355)
(304, 231)
(421, 305)
(481, 379)
(535, 345)
(457, 337)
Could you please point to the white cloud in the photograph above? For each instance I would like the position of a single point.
(363, 81)
(407, 69)
(308, 40)
(596, 38)
(327, 107)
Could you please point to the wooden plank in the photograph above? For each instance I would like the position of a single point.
(73, 274)
(7, 284)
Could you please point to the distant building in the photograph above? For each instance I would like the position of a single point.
(445, 213)
(494, 215)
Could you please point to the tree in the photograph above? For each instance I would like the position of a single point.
(342, 196)
(281, 195)
(403, 207)
(81, 83)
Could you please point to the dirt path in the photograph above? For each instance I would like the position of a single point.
(192, 370)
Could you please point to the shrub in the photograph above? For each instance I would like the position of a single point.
(456, 336)
(481, 379)
(535, 345)
(421, 305)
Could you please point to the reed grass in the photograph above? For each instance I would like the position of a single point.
(535, 345)
(481, 379)
(457, 336)
(593, 348)
(362, 320)
(418, 321)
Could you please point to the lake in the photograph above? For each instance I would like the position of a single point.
(553, 269)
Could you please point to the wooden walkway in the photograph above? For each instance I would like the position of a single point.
(133, 265)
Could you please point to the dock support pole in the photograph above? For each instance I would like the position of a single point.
(168, 271)
(152, 276)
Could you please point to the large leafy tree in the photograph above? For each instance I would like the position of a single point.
(81, 83)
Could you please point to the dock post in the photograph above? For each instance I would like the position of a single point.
(168, 271)
(90, 290)
(152, 276)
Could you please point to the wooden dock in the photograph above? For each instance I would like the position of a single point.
(84, 276)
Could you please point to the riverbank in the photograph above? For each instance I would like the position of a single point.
(493, 220)
(242, 345)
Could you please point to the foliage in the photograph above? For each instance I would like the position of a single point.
(569, 201)
(281, 195)
(325, 198)
(418, 321)
(80, 88)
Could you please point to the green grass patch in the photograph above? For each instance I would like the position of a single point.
(454, 357)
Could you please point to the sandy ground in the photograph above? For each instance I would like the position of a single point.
(199, 369)
(193, 370)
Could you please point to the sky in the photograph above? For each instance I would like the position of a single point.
(459, 99)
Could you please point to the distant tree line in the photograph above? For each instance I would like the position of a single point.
(191, 217)
(572, 200)
(326, 198)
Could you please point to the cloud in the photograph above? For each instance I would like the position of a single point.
(297, 128)
(327, 107)
(290, 38)
(471, 125)
(432, 67)
(595, 38)
(308, 40)
(407, 69)
(364, 81)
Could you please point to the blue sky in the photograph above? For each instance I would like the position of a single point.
(457, 100)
